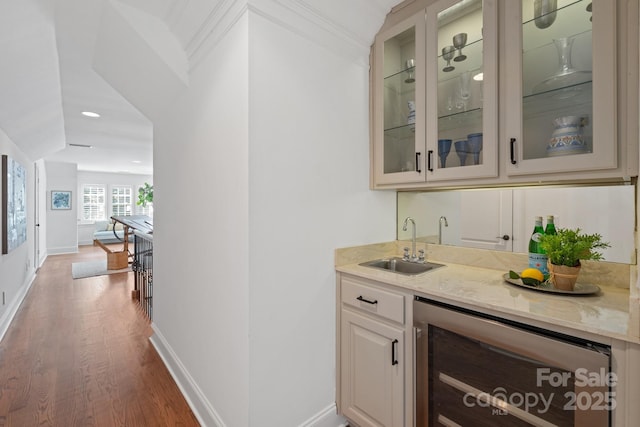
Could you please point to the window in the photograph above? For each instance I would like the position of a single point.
(93, 202)
(121, 200)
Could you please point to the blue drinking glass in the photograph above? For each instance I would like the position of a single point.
(475, 146)
(444, 147)
(461, 150)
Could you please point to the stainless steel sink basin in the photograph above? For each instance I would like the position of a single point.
(398, 265)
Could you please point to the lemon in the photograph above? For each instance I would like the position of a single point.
(533, 273)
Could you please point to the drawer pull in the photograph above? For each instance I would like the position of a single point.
(394, 358)
(363, 299)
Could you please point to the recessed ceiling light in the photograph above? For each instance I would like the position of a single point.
(136, 161)
(90, 114)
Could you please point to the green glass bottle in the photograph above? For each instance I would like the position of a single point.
(551, 227)
(537, 257)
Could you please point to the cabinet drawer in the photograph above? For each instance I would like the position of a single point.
(383, 303)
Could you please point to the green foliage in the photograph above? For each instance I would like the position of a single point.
(145, 195)
(568, 247)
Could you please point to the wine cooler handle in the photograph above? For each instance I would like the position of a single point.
(513, 150)
(418, 162)
(429, 157)
(394, 358)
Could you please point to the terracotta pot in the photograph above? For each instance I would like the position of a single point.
(563, 277)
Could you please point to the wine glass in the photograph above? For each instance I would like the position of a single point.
(444, 147)
(461, 150)
(411, 64)
(460, 41)
(447, 55)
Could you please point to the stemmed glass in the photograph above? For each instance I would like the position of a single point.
(460, 41)
(411, 64)
(447, 55)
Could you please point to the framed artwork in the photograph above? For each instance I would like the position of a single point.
(60, 200)
(14, 204)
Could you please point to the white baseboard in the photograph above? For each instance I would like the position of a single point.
(62, 250)
(10, 312)
(328, 417)
(43, 257)
(204, 412)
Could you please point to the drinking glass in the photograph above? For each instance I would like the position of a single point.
(447, 55)
(460, 41)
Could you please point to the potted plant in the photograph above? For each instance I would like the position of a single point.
(565, 250)
(145, 195)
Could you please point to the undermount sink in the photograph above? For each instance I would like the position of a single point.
(399, 265)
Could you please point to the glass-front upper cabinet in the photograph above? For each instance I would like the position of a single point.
(560, 113)
(462, 105)
(399, 102)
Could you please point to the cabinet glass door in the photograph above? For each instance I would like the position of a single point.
(560, 127)
(399, 103)
(462, 114)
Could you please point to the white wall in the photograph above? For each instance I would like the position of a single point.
(309, 194)
(86, 229)
(16, 267)
(201, 258)
(273, 142)
(62, 229)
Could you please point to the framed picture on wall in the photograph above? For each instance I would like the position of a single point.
(14, 204)
(60, 200)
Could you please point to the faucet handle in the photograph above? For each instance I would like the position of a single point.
(421, 255)
(405, 256)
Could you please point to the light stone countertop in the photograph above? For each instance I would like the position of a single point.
(611, 313)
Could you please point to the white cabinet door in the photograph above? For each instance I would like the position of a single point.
(398, 103)
(462, 90)
(372, 363)
(560, 108)
(486, 220)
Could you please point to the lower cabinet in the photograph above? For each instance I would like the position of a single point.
(372, 355)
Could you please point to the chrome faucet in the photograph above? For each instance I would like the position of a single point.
(413, 257)
(446, 224)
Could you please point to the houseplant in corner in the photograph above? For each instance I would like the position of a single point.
(145, 195)
(565, 250)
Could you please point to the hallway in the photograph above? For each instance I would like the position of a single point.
(77, 354)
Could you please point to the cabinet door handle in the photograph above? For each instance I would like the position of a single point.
(429, 156)
(418, 162)
(394, 358)
(363, 299)
(512, 151)
(505, 237)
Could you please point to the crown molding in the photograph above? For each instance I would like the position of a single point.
(297, 16)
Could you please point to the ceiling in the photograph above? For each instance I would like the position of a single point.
(61, 54)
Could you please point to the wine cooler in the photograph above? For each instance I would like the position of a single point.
(477, 370)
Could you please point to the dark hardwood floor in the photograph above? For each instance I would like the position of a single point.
(78, 354)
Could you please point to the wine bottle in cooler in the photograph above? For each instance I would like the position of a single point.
(537, 257)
